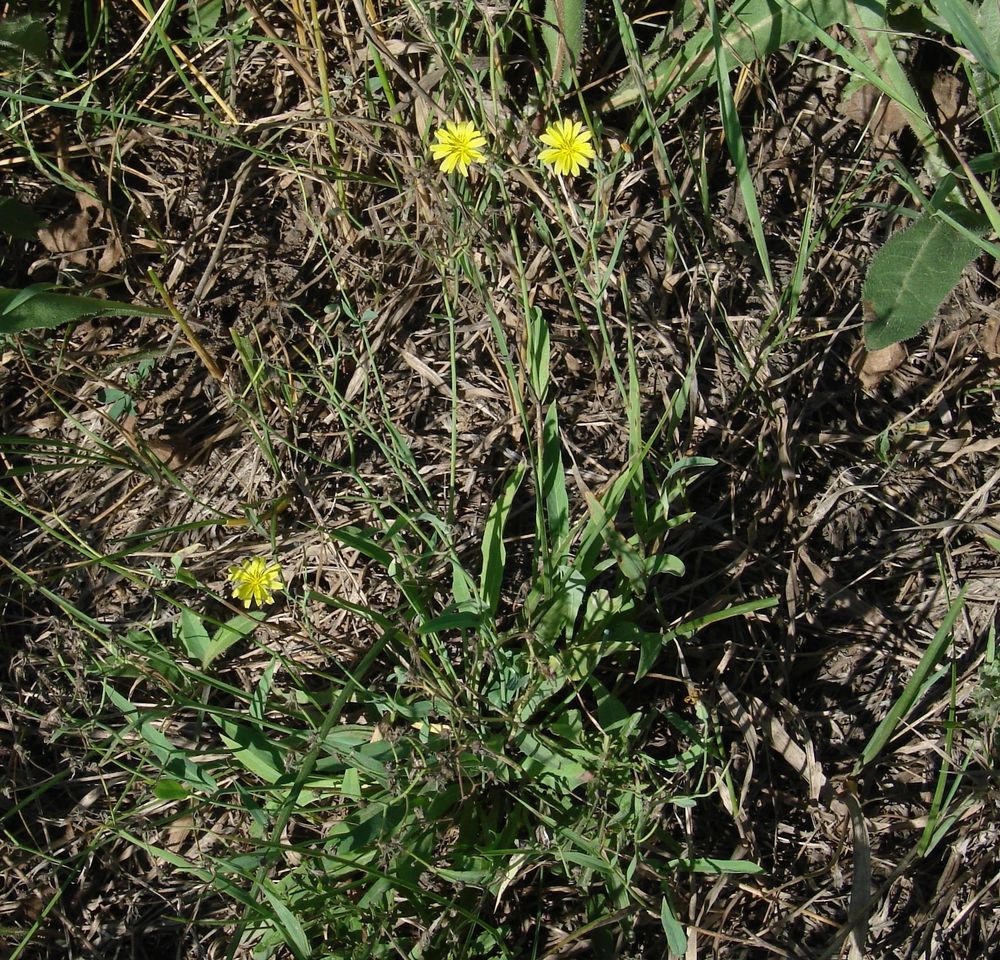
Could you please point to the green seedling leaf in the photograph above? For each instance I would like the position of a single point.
(494, 551)
(18, 219)
(912, 274)
(914, 688)
(39, 307)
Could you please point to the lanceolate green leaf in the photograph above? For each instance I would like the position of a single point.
(986, 85)
(40, 307)
(913, 272)
(494, 550)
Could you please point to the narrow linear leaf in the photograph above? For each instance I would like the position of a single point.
(737, 146)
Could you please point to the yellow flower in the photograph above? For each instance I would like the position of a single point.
(569, 150)
(255, 580)
(458, 146)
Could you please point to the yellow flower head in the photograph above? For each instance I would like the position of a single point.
(569, 149)
(255, 580)
(458, 146)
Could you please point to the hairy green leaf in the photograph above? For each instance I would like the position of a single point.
(40, 307)
(562, 30)
(914, 271)
(22, 37)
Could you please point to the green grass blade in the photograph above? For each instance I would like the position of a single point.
(737, 146)
(913, 689)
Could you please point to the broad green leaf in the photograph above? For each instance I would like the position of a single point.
(287, 923)
(167, 789)
(40, 307)
(454, 620)
(986, 85)
(914, 271)
(350, 787)
(650, 645)
(538, 352)
(712, 865)
(361, 540)
(203, 18)
(175, 762)
(629, 560)
(18, 220)
(539, 760)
